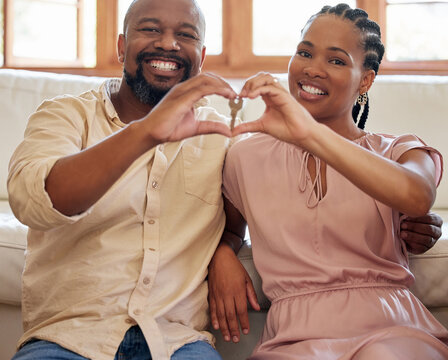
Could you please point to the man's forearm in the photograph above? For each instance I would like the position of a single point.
(77, 181)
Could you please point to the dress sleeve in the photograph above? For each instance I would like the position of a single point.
(408, 142)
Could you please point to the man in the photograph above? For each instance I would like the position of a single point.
(124, 213)
(121, 191)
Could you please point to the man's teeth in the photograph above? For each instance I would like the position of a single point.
(164, 65)
(312, 90)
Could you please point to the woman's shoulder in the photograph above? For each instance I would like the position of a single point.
(393, 146)
(382, 141)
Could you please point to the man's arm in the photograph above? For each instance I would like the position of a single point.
(229, 283)
(420, 234)
(77, 181)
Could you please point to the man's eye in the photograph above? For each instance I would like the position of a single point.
(303, 53)
(150, 30)
(187, 35)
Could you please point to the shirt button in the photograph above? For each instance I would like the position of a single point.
(161, 147)
(155, 184)
(137, 312)
(129, 321)
(146, 280)
(151, 222)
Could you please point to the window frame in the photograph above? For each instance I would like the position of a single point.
(236, 60)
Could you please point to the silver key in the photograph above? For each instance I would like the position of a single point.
(235, 105)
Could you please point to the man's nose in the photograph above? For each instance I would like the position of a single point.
(167, 42)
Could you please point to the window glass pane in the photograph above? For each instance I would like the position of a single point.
(56, 22)
(212, 10)
(122, 8)
(417, 31)
(276, 29)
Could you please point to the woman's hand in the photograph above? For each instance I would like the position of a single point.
(229, 286)
(284, 118)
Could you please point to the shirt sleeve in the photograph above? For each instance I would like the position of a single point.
(55, 130)
(230, 183)
(408, 142)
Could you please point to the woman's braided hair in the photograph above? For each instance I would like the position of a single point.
(370, 41)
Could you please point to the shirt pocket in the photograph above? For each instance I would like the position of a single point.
(203, 172)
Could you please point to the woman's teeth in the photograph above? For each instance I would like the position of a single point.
(312, 90)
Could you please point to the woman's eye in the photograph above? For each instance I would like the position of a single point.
(337, 62)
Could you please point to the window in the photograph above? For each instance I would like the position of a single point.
(50, 32)
(275, 31)
(242, 38)
(408, 36)
(414, 34)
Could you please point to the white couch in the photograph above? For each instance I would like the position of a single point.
(398, 104)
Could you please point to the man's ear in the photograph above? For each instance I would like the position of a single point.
(367, 79)
(121, 46)
(202, 56)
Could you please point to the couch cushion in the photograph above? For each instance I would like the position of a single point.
(12, 248)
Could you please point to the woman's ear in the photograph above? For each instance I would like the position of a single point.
(368, 77)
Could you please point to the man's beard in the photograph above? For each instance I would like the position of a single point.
(147, 93)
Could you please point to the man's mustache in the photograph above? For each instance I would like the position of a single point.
(161, 55)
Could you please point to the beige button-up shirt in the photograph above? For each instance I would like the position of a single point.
(138, 256)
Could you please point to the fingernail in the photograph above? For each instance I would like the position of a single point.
(245, 331)
(227, 338)
(215, 326)
(235, 339)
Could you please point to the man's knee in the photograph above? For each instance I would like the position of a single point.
(199, 350)
(45, 350)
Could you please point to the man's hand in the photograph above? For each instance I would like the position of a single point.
(229, 286)
(172, 119)
(420, 234)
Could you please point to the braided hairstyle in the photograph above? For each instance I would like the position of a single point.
(370, 41)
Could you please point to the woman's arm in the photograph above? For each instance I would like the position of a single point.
(407, 185)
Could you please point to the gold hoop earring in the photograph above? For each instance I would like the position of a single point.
(362, 99)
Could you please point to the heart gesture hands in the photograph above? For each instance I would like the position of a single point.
(284, 118)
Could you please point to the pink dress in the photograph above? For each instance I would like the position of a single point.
(333, 267)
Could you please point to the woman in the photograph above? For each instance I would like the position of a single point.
(322, 198)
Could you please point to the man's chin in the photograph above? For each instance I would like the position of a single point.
(149, 87)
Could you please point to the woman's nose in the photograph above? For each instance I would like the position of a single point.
(315, 70)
